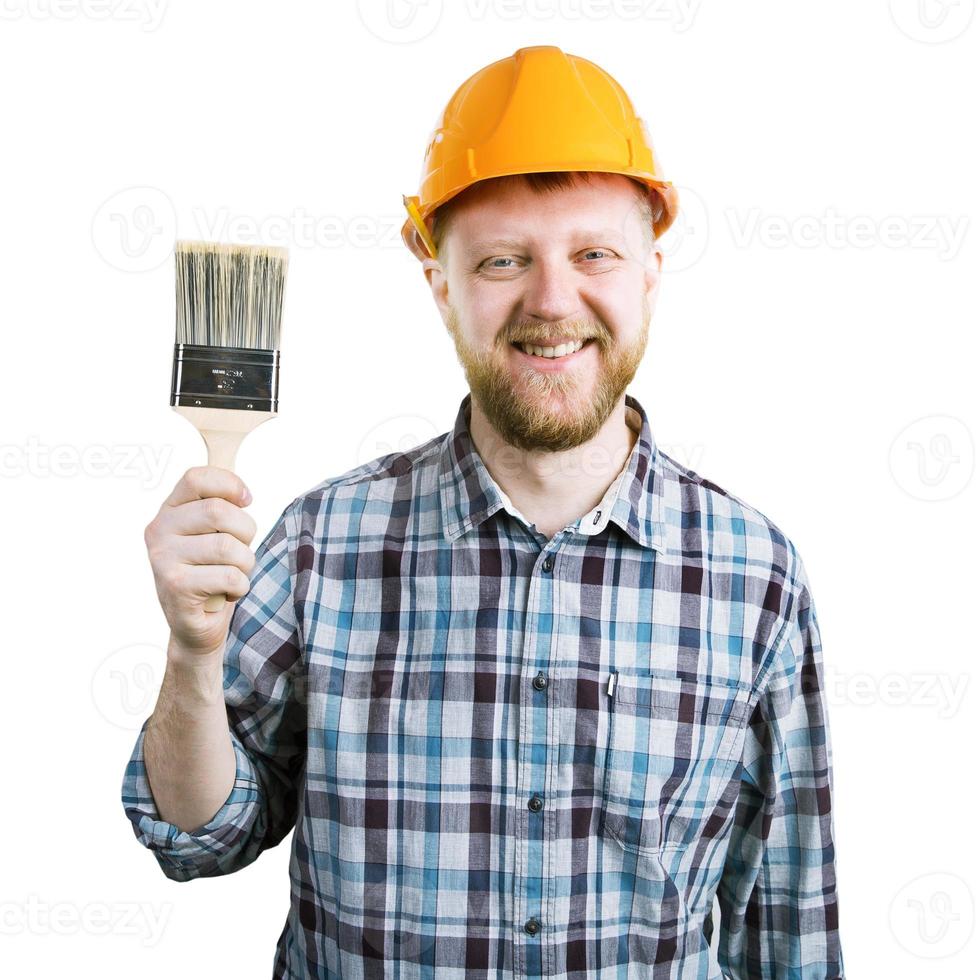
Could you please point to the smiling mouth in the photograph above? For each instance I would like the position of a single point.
(552, 353)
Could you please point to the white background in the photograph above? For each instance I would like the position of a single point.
(812, 352)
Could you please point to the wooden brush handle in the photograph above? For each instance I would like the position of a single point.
(222, 430)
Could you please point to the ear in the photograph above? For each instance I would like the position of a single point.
(438, 280)
(652, 270)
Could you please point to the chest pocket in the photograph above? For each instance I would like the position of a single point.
(669, 758)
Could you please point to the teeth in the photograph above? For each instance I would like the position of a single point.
(560, 351)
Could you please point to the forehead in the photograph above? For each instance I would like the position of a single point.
(503, 213)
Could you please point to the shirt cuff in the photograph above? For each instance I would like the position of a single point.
(204, 851)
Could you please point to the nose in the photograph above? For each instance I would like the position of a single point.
(551, 293)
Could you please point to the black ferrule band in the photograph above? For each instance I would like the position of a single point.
(225, 377)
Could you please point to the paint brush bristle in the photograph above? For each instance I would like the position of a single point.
(229, 295)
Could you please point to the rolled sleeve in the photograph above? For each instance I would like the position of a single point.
(211, 849)
(778, 892)
(263, 675)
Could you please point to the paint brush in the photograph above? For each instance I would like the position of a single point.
(226, 356)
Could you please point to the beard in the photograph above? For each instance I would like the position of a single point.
(553, 410)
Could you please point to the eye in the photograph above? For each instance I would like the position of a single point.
(497, 263)
(504, 263)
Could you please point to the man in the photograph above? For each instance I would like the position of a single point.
(532, 693)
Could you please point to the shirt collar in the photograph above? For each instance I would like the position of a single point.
(634, 500)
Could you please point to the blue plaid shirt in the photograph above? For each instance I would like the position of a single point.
(504, 754)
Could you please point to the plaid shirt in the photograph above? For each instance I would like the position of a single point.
(509, 755)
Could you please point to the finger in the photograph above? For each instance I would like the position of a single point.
(209, 515)
(214, 549)
(207, 481)
(200, 581)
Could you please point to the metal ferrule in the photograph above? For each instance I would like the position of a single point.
(225, 377)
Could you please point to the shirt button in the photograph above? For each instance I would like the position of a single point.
(540, 682)
(535, 803)
(532, 926)
(549, 563)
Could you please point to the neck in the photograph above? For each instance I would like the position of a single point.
(552, 489)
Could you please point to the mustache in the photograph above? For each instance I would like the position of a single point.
(535, 333)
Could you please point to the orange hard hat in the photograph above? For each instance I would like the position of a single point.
(538, 110)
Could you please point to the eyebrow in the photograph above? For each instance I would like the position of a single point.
(493, 244)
